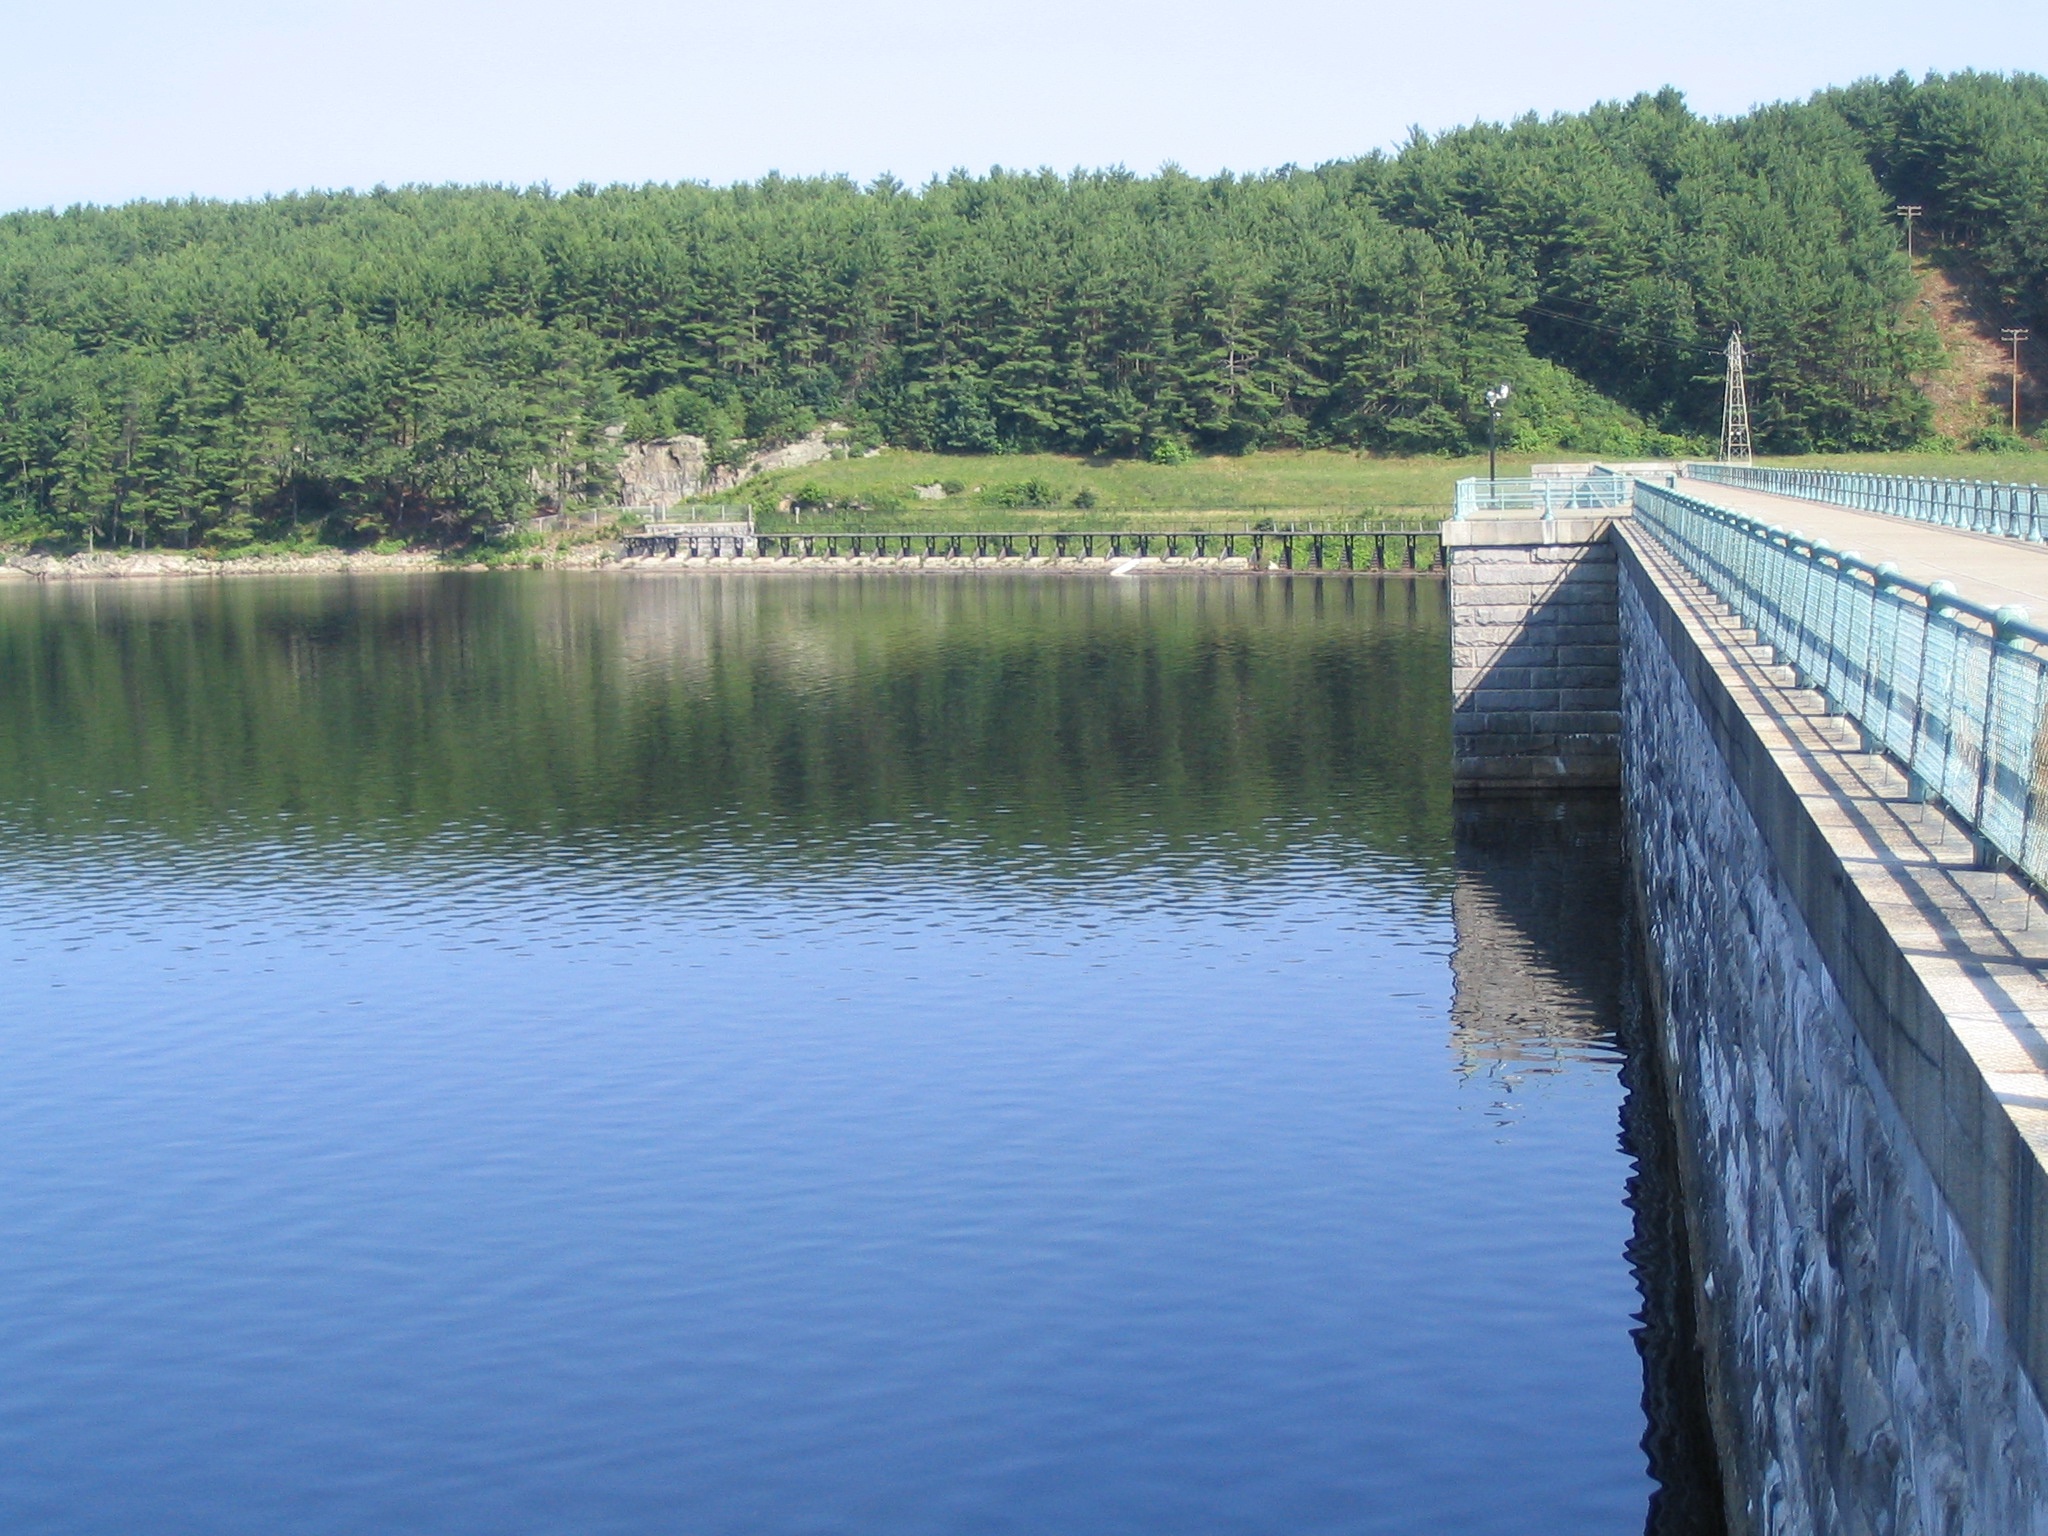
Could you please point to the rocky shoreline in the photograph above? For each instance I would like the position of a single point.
(173, 565)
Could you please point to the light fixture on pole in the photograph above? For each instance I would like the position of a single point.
(1496, 397)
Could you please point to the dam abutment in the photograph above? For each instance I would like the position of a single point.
(1535, 662)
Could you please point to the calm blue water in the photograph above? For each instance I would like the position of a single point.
(529, 1054)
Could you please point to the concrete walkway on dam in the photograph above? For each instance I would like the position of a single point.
(1990, 939)
(1984, 567)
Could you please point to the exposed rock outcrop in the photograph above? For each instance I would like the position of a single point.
(672, 469)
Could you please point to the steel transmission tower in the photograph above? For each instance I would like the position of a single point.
(1735, 408)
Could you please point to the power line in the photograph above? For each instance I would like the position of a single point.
(1615, 330)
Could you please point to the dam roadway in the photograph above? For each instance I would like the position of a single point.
(1837, 811)
(1986, 568)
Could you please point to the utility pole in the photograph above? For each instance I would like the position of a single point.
(1735, 448)
(1909, 212)
(2015, 335)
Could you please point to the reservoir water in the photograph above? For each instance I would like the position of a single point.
(553, 1053)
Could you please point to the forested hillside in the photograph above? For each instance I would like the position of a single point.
(1972, 150)
(429, 360)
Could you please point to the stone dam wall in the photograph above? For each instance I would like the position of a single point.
(1865, 1209)
(1852, 1023)
(1535, 660)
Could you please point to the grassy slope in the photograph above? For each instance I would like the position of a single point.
(1320, 489)
(1290, 487)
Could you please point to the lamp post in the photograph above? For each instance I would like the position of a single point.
(1496, 397)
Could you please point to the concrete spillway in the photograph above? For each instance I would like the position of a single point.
(1851, 1015)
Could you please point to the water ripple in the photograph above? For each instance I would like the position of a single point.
(783, 1058)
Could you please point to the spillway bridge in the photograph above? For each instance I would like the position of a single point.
(1284, 549)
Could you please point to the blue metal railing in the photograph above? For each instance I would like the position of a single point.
(1543, 496)
(1982, 506)
(1952, 690)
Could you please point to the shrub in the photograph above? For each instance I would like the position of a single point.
(1026, 493)
(24, 525)
(1172, 450)
(1999, 440)
(760, 497)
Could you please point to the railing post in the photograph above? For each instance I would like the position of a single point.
(1941, 609)
(1809, 567)
(2004, 640)
(1881, 683)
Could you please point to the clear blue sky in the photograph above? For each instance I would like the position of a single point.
(105, 100)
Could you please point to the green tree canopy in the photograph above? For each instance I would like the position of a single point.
(431, 360)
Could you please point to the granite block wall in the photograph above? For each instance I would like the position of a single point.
(1865, 1373)
(1535, 670)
